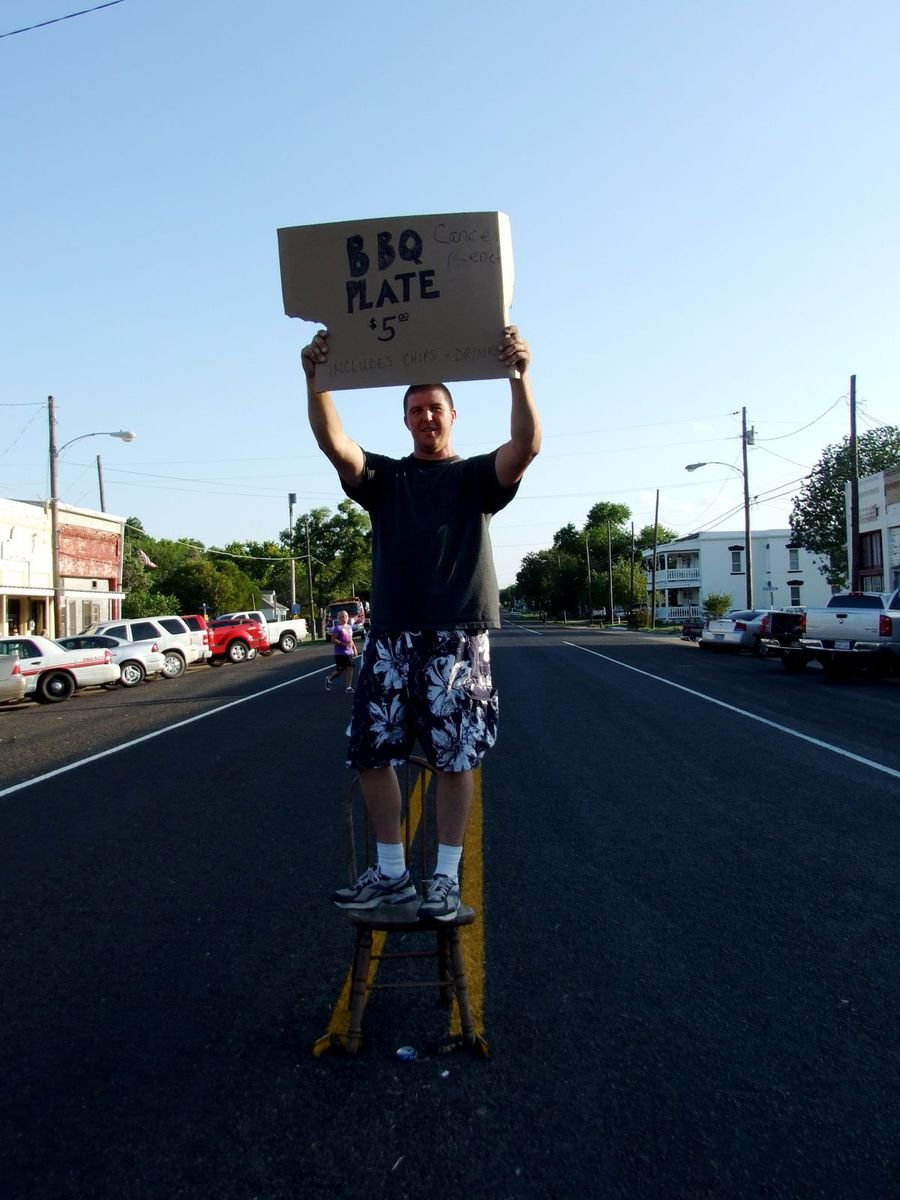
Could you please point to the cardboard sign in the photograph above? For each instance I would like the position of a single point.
(405, 299)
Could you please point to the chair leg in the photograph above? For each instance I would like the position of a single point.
(461, 987)
(362, 955)
(445, 971)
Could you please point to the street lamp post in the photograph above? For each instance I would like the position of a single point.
(55, 451)
(732, 467)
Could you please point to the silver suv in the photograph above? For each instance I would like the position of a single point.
(178, 644)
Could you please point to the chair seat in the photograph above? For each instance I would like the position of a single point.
(404, 918)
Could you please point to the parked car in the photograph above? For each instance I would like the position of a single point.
(739, 629)
(195, 624)
(137, 660)
(236, 639)
(356, 611)
(281, 635)
(52, 673)
(12, 681)
(692, 627)
(176, 641)
(855, 631)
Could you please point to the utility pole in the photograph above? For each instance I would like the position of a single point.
(57, 630)
(312, 607)
(749, 571)
(612, 611)
(292, 500)
(653, 566)
(854, 492)
(587, 551)
(631, 593)
(100, 481)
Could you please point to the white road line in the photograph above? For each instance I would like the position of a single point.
(743, 712)
(147, 737)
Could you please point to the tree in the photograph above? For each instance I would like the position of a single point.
(606, 511)
(818, 516)
(717, 604)
(214, 587)
(142, 602)
(266, 564)
(343, 543)
(644, 540)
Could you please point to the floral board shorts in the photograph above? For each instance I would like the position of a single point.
(434, 686)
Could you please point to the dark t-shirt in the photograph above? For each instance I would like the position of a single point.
(432, 566)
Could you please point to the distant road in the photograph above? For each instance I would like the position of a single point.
(690, 943)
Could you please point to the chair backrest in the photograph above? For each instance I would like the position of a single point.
(418, 787)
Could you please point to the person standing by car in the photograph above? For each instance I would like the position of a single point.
(425, 670)
(344, 652)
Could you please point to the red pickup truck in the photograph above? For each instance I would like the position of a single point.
(235, 639)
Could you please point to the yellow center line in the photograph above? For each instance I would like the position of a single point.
(472, 937)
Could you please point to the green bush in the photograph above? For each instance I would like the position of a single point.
(717, 604)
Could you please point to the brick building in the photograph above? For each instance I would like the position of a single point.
(90, 567)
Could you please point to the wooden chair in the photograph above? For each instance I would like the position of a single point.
(376, 931)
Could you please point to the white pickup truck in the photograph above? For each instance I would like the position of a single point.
(854, 630)
(281, 635)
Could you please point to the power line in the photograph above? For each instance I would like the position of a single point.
(54, 20)
(821, 417)
(792, 461)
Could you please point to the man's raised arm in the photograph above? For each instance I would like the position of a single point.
(344, 454)
(524, 423)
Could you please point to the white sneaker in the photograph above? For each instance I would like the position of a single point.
(327, 684)
(349, 689)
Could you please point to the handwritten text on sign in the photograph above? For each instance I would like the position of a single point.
(402, 294)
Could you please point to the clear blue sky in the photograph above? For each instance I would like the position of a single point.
(704, 202)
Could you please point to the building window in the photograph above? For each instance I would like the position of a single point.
(871, 574)
(795, 596)
(870, 549)
(793, 560)
(736, 562)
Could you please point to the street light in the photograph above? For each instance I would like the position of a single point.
(715, 463)
(124, 435)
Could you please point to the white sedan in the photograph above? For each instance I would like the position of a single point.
(52, 673)
(137, 660)
(12, 681)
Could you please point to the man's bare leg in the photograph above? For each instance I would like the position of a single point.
(381, 791)
(454, 800)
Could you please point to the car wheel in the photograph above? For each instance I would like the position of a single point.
(287, 643)
(132, 674)
(216, 660)
(174, 664)
(758, 650)
(238, 651)
(54, 686)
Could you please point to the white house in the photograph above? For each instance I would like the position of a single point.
(879, 530)
(90, 567)
(690, 568)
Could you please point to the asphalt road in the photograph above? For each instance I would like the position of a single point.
(691, 950)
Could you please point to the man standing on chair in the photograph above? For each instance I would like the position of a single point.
(425, 671)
